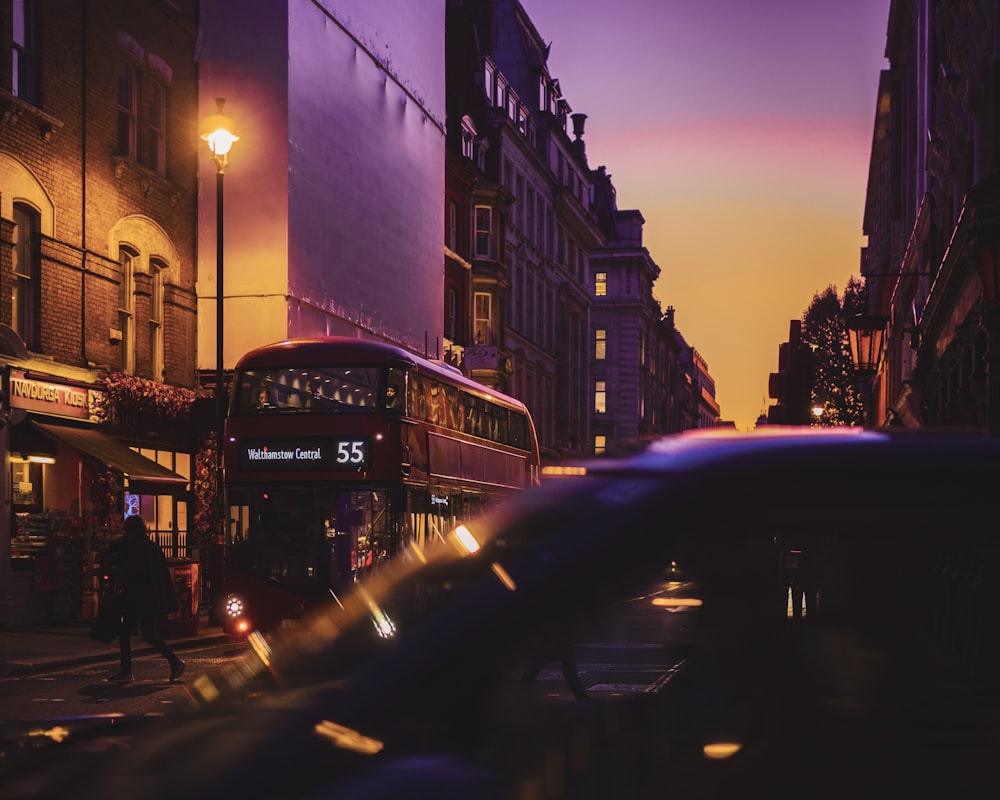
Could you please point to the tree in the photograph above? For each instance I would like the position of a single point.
(834, 389)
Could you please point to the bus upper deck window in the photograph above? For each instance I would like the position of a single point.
(395, 390)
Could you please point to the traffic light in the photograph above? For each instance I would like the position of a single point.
(791, 385)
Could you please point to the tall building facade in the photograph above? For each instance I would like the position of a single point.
(97, 288)
(333, 193)
(932, 218)
(524, 229)
(635, 357)
(531, 226)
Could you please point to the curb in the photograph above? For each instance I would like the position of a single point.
(27, 669)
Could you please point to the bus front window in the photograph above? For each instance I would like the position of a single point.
(307, 390)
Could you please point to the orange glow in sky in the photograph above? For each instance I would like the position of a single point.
(742, 133)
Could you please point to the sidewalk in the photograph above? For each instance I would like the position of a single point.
(36, 649)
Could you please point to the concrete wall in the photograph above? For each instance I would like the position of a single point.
(334, 196)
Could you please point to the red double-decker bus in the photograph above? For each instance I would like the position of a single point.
(339, 451)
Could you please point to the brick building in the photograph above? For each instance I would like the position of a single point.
(97, 285)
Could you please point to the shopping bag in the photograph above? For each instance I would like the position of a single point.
(108, 621)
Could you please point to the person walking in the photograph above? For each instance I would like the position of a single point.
(146, 593)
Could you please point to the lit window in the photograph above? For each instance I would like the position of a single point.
(127, 74)
(483, 316)
(601, 344)
(600, 284)
(26, 269)
(156, 270)
(600, 444)
(126, 309)
(601, 397)
(484, 231)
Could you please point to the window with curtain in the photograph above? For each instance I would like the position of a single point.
(25, 273)
(601, 397)
(156, 270)
(483, 318)
(484, 231)
(127, 107)
(156, 126)
(126, 309)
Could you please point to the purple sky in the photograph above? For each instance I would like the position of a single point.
(741, 129)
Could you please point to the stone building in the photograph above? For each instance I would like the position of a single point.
(635, 358)
(524, 228)
(932, 221)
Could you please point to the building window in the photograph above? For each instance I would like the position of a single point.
(24, 51)
(26, 272)
(500, 98)
(600, 284)
(530, 321)
(489, 83)
(156, 270)
(483, 318)
(600, 444)
(531, 215)
(452, 311)
(601, 397)
(453, 226)
(156, 126)
(519, 201)
(127, 95)
(540, 226)
(468, 138)
(601, 344)
(484, 231)
(126, 309)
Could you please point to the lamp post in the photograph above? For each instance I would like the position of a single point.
(218, 131)
(866, 337)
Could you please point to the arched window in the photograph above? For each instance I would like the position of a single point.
(156, 270)
(126, 308)
(26, 271)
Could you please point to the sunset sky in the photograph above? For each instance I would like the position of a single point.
(741, 129)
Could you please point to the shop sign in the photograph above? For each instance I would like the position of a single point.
(49, 396)
(481, 357)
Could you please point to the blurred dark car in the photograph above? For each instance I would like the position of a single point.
(807, 613)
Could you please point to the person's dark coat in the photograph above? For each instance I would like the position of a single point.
(140, 573)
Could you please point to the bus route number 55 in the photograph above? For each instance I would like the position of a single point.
(351, 452)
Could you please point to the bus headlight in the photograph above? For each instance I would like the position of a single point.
(234, 606)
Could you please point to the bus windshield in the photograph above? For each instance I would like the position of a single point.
(308, 390)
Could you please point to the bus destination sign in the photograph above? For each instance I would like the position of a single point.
(313, 454)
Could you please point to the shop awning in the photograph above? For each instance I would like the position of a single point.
(142, 475)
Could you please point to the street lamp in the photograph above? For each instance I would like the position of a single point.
(866, 337)
(218, 130)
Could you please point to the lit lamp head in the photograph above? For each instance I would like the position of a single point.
(866, 336)
(218, 130)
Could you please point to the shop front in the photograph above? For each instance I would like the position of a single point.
(71, 485)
